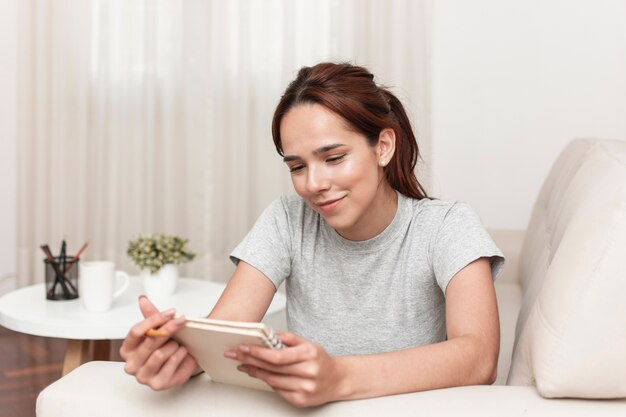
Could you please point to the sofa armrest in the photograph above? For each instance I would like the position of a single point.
(103, 389)
(510, 243)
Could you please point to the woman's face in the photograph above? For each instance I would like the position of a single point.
(335, 170)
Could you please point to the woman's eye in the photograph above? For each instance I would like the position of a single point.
(336, 158)
(296, 168)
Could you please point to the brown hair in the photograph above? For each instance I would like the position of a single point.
(350, 92)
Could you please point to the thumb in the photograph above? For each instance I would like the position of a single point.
(291, 339)
(147, 308)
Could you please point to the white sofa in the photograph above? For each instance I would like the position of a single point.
(562, 302)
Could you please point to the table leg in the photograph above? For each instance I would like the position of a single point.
(101, 350)
(76, 353)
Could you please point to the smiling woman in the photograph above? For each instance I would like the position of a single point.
(348, 143)
(364, 107)
(337, 172)
(381, 279)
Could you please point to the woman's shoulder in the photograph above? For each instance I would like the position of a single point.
(438, 220)
(436, 210)
(289, 203)
(436, 205)
(291, 207)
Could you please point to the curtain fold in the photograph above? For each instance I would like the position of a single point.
(140, 116)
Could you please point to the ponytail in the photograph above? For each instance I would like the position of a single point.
(400, 172)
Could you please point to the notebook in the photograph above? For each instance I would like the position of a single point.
(208, 339)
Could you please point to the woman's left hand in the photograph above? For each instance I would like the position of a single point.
(302, 373)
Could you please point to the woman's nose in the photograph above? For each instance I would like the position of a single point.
(317, 180)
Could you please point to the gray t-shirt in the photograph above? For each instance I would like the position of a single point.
(379, 295)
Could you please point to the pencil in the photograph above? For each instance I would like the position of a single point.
(156, 333)
(76, 258)
(81, 250)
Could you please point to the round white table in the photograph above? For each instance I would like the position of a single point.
(26, 310)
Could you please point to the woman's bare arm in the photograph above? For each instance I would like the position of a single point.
(247, 296)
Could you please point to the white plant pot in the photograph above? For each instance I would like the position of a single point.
(162, 283)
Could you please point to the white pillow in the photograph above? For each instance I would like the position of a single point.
(572, 327)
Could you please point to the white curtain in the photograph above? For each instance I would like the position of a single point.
(139, 116)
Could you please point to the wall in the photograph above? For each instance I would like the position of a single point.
(8, 143)
(513, 83)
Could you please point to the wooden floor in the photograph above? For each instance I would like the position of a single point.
(27, 365)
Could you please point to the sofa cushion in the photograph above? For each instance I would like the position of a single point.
(509, 297)
(571, 331)
(103, 389)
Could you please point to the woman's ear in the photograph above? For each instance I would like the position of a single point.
(386, 146)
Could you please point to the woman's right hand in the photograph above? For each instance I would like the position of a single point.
(159, 362)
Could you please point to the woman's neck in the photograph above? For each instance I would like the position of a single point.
(377, 217)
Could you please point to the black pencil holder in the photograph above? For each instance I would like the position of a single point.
(61, 278)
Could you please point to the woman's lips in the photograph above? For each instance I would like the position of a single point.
(330, 205)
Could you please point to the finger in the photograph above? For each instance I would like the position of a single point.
(170, 327)
(186, 370)
(258, 363)
(152, 322)
(287, 356)
(291, 339)
(166, 379)
(137, 333)
(169, 368)
(305, 369)
(156, 361)
(146, 306)
(139, 354)
(150, 344)
(279, 381)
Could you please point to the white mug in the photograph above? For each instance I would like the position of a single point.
(96, 285)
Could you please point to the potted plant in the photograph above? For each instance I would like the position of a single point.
(158, 257)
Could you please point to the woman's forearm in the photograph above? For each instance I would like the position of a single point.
(460, 361)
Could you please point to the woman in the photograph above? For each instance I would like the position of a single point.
(388, 291)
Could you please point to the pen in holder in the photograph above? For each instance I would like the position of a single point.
(61, 277)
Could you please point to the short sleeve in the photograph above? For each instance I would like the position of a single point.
(267, 246)
(460, 240)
